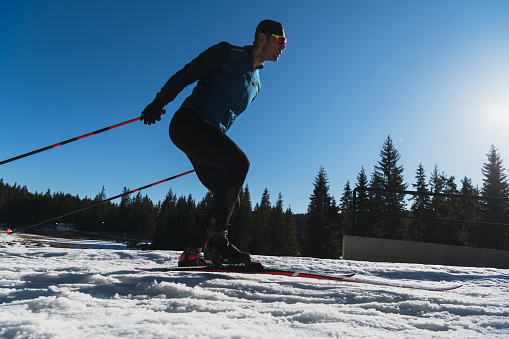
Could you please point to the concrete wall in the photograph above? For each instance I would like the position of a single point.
(386, 250)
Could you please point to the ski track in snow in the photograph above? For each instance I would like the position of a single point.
(93, 291)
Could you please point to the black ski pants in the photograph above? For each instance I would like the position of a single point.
(219, 163)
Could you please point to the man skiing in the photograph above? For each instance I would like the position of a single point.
(228, 81)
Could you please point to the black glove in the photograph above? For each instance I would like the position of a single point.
(152, 112)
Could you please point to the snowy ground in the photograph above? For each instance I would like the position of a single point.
(50, 290)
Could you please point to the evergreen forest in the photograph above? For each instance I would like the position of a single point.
(268, 228)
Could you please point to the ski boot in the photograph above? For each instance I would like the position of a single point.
(192, 256)
(220, 251)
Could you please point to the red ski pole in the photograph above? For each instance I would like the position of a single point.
(9, 231)
(73, 139)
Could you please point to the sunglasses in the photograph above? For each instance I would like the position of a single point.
(279, 39)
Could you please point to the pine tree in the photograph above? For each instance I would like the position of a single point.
(190, 225)
(437, 208)
(450, 231)
(185, 222)
(469, 210)
(278, 223)
(315, 218)
(261, 237)
(166, 223)
(321, 238)
(20, 199)
(436, 184)
(99, 213)
(345, 208)
(144, 217)
(495, 184)
(388, 175)
(363, 222)
(333, 241)
(100, 196)
(290, 246)
(203, 216)
(420, 206)
(241, 229)
(421, 202)
(3, 194)
(124, 222)
(205, 204)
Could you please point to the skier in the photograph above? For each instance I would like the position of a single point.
(228, 81)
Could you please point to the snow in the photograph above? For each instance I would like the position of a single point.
(56, 288)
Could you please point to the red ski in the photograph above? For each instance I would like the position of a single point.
(257, 268)
(249, 269)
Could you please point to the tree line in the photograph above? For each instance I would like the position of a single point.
(265, 228)
(268, 228)
(388, 175)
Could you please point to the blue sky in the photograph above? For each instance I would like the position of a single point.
(431, 74)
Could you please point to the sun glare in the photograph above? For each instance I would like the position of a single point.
(488, 94)
(493, 105)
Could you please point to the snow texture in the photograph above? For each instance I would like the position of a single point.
(55, 288)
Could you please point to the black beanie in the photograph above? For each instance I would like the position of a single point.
(270, 27)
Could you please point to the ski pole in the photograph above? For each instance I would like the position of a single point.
(9, 231)
(72, 139)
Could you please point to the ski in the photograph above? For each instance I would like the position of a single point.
(250, 269)
(259, 269)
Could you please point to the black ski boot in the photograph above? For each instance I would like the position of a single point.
(220, 251)
(192, 256)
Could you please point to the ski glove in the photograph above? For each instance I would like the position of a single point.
(152, 112)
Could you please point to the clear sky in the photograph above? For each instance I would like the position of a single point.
(434, 75)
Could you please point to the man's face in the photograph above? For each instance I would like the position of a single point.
(273, 48)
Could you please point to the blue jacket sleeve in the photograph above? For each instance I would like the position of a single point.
(206, 62)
